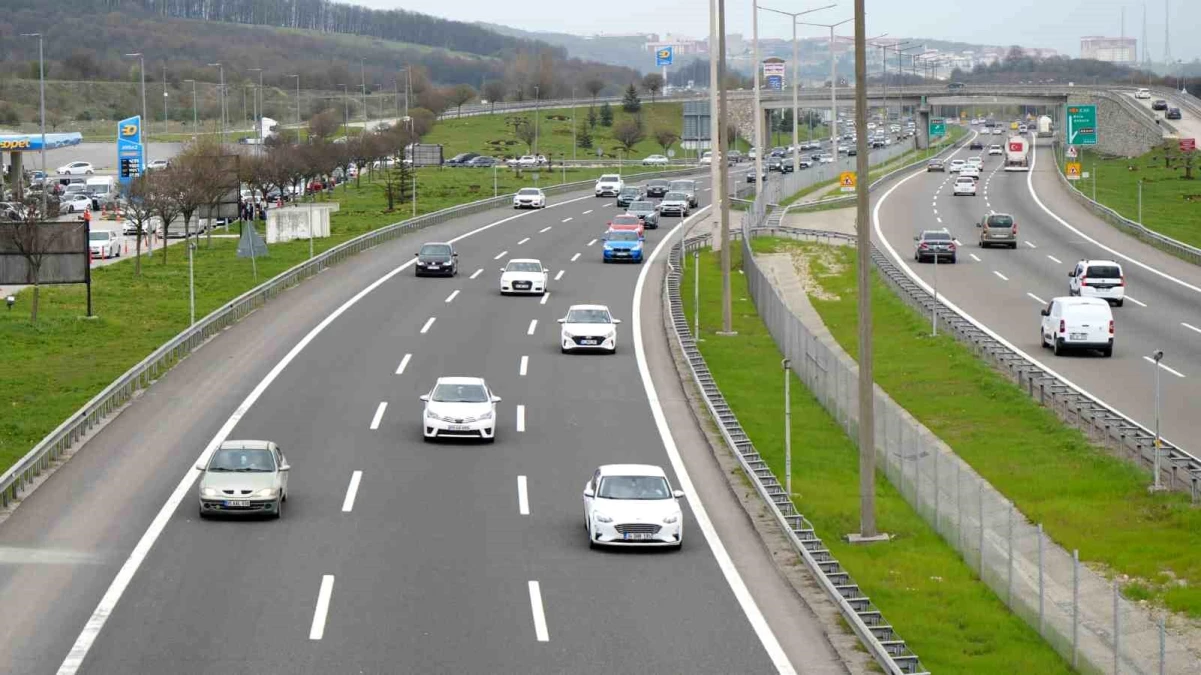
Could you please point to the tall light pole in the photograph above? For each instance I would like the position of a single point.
(723, 174)
(573, 142)
(796, 156)
(345, 110)
(833, 84)
(758, 113)
(142, 69)
(258, 108)
(221, 68)
(166, 116)
(714, 85)
(537, 114)
(1157, 356)
(42, 95)
(363, 76)
(194, 115)
(408, 71)
(297, 105)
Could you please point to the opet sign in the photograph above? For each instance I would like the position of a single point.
(16, 144)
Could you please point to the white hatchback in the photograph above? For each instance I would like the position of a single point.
(1103, 279)
(588, 328)
(995, 149)
(523, 275)
(632, 504)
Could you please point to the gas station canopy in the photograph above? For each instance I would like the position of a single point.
(33, 142)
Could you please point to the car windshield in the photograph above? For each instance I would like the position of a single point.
(682, 185)
(1103, 271)
(460, 393)
(101, 235)
(629, 191)
(1000, 221)
(237, 459)
(936, 236)
(633, 487)
(675, 196)
(435, 250)
(658, 183)
(588, 316)
(957, 161)
(623, 235)
(626, 220)
(523, 267)
(529, 192)
(609, 178)
(965, 180)
(642, 206)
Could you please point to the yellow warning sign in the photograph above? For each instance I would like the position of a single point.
(846, 180)
(1072, 169)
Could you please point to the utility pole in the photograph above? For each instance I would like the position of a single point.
(42, 95)
(194, 115)
(723, 174)
(166, 116)
(796, 156)
(222, 71)
(573, 141)
(537, 114)
(758, 113)
(297, 106)
(363, 75)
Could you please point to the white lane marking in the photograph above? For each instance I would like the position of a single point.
(476, 273)
(1061, 221)
(575, 257)
(592, 242)
(973, 256)
(1057, 261)
(1190, 327)
(936, 212)
(559, 275)
(452, 296)
(745, 600)
(184, 488)
(525, 366)
(539, 614)
(521, 418)
(501, 255)
(533, 325)
(1150, 360)
(404, 363)
(523, 497)
(352, 491)
(523, 241)
(379, 415)
(938, 218)
(1003, 277)
(565, 220)
(587, 212)
(547, 228)
(317, 630)
(1037, 299)
(428, 323)
(1029, 244)
(545, 297)
(1137, 302)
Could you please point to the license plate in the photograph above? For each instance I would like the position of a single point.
(237, 502)
(522, 286)
(1079, 336)
(459, 427)
(587, 342)
(638, 536)
(621, 253)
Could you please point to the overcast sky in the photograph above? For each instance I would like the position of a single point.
(1058, 24)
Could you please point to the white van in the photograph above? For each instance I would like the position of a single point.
(1078, 323)
(102, 187)
(1098, 279)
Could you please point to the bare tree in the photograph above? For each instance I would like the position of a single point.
(163, 199)
(653, 84)
(628, 134)
(494, 90)
(462, 93)
(324, 125)
(594, 86)
(27, 237)
(666, 138)
(524, 130)
(140, 211)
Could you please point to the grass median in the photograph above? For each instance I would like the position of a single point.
(1171, 203)
(1085, 498)
(932, 598)
(51, 368)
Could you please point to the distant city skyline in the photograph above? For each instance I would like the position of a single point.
(1057, 25)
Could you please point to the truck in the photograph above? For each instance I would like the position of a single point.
(1044, 126)
(1017, 154)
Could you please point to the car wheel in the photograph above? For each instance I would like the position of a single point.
(614, 350)
(953, 259)
(678, 547)
(203, 514)
(1042, 339)
(1013, 245)
(1058, 348)
(1118, 303)
(279, 509)
(1107, 352)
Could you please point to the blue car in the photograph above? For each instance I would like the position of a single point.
(622, 246)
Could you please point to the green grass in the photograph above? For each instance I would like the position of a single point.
(49, 369)
(1167, 208)
(1085, 498)
(949, 617)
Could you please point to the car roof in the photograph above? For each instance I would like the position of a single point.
(1101, 262)
(525, 260)
(246, 445)
(632, 470)
(604, 307)
(437, 243)
(459, 380)
(1080, 301)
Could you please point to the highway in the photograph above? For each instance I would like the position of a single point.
(1005, 289)
(436, 558)
(1188, 126)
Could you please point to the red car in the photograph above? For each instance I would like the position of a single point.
(628, 223)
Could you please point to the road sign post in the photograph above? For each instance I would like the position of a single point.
(846, 181)
(1072, 153)
(938, 127)
(1188, 144)
(1072, 170)
(1082, 124)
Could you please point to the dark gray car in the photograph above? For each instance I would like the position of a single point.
(628, 195)
(657, 187)
(688, 187)
(436, 259)
(647, 212)
(934, 245)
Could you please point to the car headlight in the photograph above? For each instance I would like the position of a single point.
(485, 416)
(611, 334)
(210, 492)
(568, 335)
(672, 519)
(602, 518)
(267, 492)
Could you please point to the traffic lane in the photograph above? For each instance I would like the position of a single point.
(1186, 127)
(1005, 289)
(87, 508)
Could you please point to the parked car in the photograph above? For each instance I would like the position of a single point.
(481, 161)
(461, 159)
(76, 169)
(104, 244)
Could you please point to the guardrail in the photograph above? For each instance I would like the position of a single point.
(864, 618)
(58, 442)
(1185, 252)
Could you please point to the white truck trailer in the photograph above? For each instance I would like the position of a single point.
(1017, 153)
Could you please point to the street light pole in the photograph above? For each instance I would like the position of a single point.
(42, 95)
(796, 157)
(573, 141)
(142, 71)
(1157, 356)
(297, 105)
(345, 111)
(537, 114)
(166, 116)
(258, 115)
(363, 75)
(833, 85)
(758, 127)
(194, 115)
(221, 69)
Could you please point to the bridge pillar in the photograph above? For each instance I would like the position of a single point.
(921, 124)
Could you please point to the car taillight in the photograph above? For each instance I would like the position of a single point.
(923, 245)
(1123, 282)
(951, 245)
(1111, 326)
(1083, 281)
(1063, 328)
(1015, 229)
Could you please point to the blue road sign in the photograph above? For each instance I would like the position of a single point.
(775, 82)
(663, 56)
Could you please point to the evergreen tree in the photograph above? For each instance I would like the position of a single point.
(584, 138)
(606, 115)
(591, 118)
(630, 102)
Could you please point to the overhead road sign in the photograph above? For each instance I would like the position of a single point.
(664, 55)
(847, 181)
(1072, 169)
(1082, 124)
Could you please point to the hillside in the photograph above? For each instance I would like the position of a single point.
(627, 52)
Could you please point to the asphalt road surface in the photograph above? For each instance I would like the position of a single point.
(1188, 126)
(1005, 289)
(103, 156)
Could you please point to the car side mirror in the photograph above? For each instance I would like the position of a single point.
(454, 255)
(425, 397)
(979, 224)
(1072, 273)
(915, 238)
(562, 320)
(200, 467)
(502, 269)
(416, 255)
(1045, 312)
(616, 320)
(496, 399)
(285, 467)
(678, 494)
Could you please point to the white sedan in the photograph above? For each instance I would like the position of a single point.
(73, 203)
(529, 198)
(965, 185)
(76, 169)
(655, 160)
(956, 165)
(970, 171)
(104, 244)
(995, 149)
(459, 407)
(632, 504)
(524, 275)
(588, 327)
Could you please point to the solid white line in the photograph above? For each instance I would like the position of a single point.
(545, 229)
(1029, 244)
(539, 615)
(533, 325)
(521, 418)
(523, 241)
(545, 297)
(1056, 260)
(352, 491)
(430, 322)
(559, 275)
(1037, 299)
(185, 487)
(592, 242)
(1003, 277)
(317, 630)
(523, 497)
(1190, 327)
(745, 600)
(587, 212)
(476, 273)
(1150, 360)
(575, 257)
(379, 414)
(452, 295)
(501, 255)
(565, 220)
(973, 256)
(1137, 302)
(525, 365)
(404, 363)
